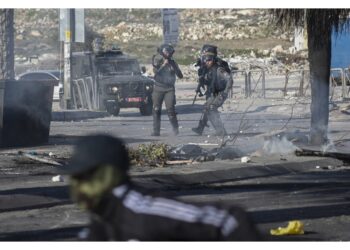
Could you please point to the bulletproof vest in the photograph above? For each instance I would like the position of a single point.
(220, 83)
(165, 76)
(215, 80)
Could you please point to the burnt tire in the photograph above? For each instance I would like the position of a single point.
(146, 109)
(113, 109)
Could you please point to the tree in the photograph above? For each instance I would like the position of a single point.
(319, 24)
(6, 44)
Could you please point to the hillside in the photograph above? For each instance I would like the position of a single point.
(242, 33)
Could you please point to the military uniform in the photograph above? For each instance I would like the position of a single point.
(164, 90)
(219, 84)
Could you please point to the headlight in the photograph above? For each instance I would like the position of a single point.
(148, 87)
(114, 90)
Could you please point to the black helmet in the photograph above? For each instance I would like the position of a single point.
(207, 48)
(166, 48)
(95, 150)
(207, 57)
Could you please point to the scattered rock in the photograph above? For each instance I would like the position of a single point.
(245, 159)
(57, 178)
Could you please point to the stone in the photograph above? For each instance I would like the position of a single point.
(35, 33)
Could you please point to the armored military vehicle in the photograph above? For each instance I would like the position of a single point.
(117, 80)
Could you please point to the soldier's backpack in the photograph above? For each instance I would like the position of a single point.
(223, 64)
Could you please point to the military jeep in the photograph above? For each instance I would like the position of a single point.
(119, 80)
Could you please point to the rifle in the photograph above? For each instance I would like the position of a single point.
(198, 91)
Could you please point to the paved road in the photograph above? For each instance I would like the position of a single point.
(273, 188)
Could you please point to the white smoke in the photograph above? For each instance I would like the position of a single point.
(279, 145)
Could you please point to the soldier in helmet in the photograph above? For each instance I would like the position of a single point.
(214, 75)
(119, 211)
(166, 70)
(212, 49)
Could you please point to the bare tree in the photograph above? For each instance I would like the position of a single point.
(319, 24)
(6, 44)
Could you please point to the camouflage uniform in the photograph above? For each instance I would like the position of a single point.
(164, 90)
(219, 84)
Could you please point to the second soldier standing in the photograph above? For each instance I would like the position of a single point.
(214, 75)
(165, 70)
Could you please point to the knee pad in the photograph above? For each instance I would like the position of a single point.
(157, 109)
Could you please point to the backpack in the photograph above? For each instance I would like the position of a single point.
(220, 83)
(223, 64)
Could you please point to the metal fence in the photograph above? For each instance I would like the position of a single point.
(84, 94)
(260, 84)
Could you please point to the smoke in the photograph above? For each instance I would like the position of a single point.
(279, 145)
(328, 147)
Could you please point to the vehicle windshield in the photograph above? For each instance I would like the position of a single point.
(130, 67)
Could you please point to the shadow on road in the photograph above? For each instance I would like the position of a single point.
(33, 198)
(65, 233)
(72, 140)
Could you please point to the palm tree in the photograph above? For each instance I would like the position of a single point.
(319, 24)
(6, 44)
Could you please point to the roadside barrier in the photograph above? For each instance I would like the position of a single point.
(297, 81)
(84, 94)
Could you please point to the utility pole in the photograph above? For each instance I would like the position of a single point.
(67, 84)
(66, 26)
(7, 70)
(7, 62)
(71, 30)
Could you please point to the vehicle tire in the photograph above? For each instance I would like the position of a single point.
(146, 108)
(113, 109)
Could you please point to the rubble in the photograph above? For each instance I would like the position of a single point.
(39, 158)
(245, 159)
(57, 178)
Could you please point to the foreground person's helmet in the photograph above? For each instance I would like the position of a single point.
(99, 163)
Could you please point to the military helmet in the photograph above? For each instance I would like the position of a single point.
(168, 48)
(207, 48)
(209, 53)
(96, 150)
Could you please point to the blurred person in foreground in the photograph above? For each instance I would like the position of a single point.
(100, 184)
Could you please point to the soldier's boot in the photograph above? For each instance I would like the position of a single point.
(156, 123)
(201, 125)
(174, 123)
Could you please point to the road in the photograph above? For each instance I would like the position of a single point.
(273, 188)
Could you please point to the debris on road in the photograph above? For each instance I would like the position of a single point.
(179, 162)
(245, 159)
(294, 227)
(33, 156)
(154, 154)
(227, 153)
(57, 178)
(317, 152)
